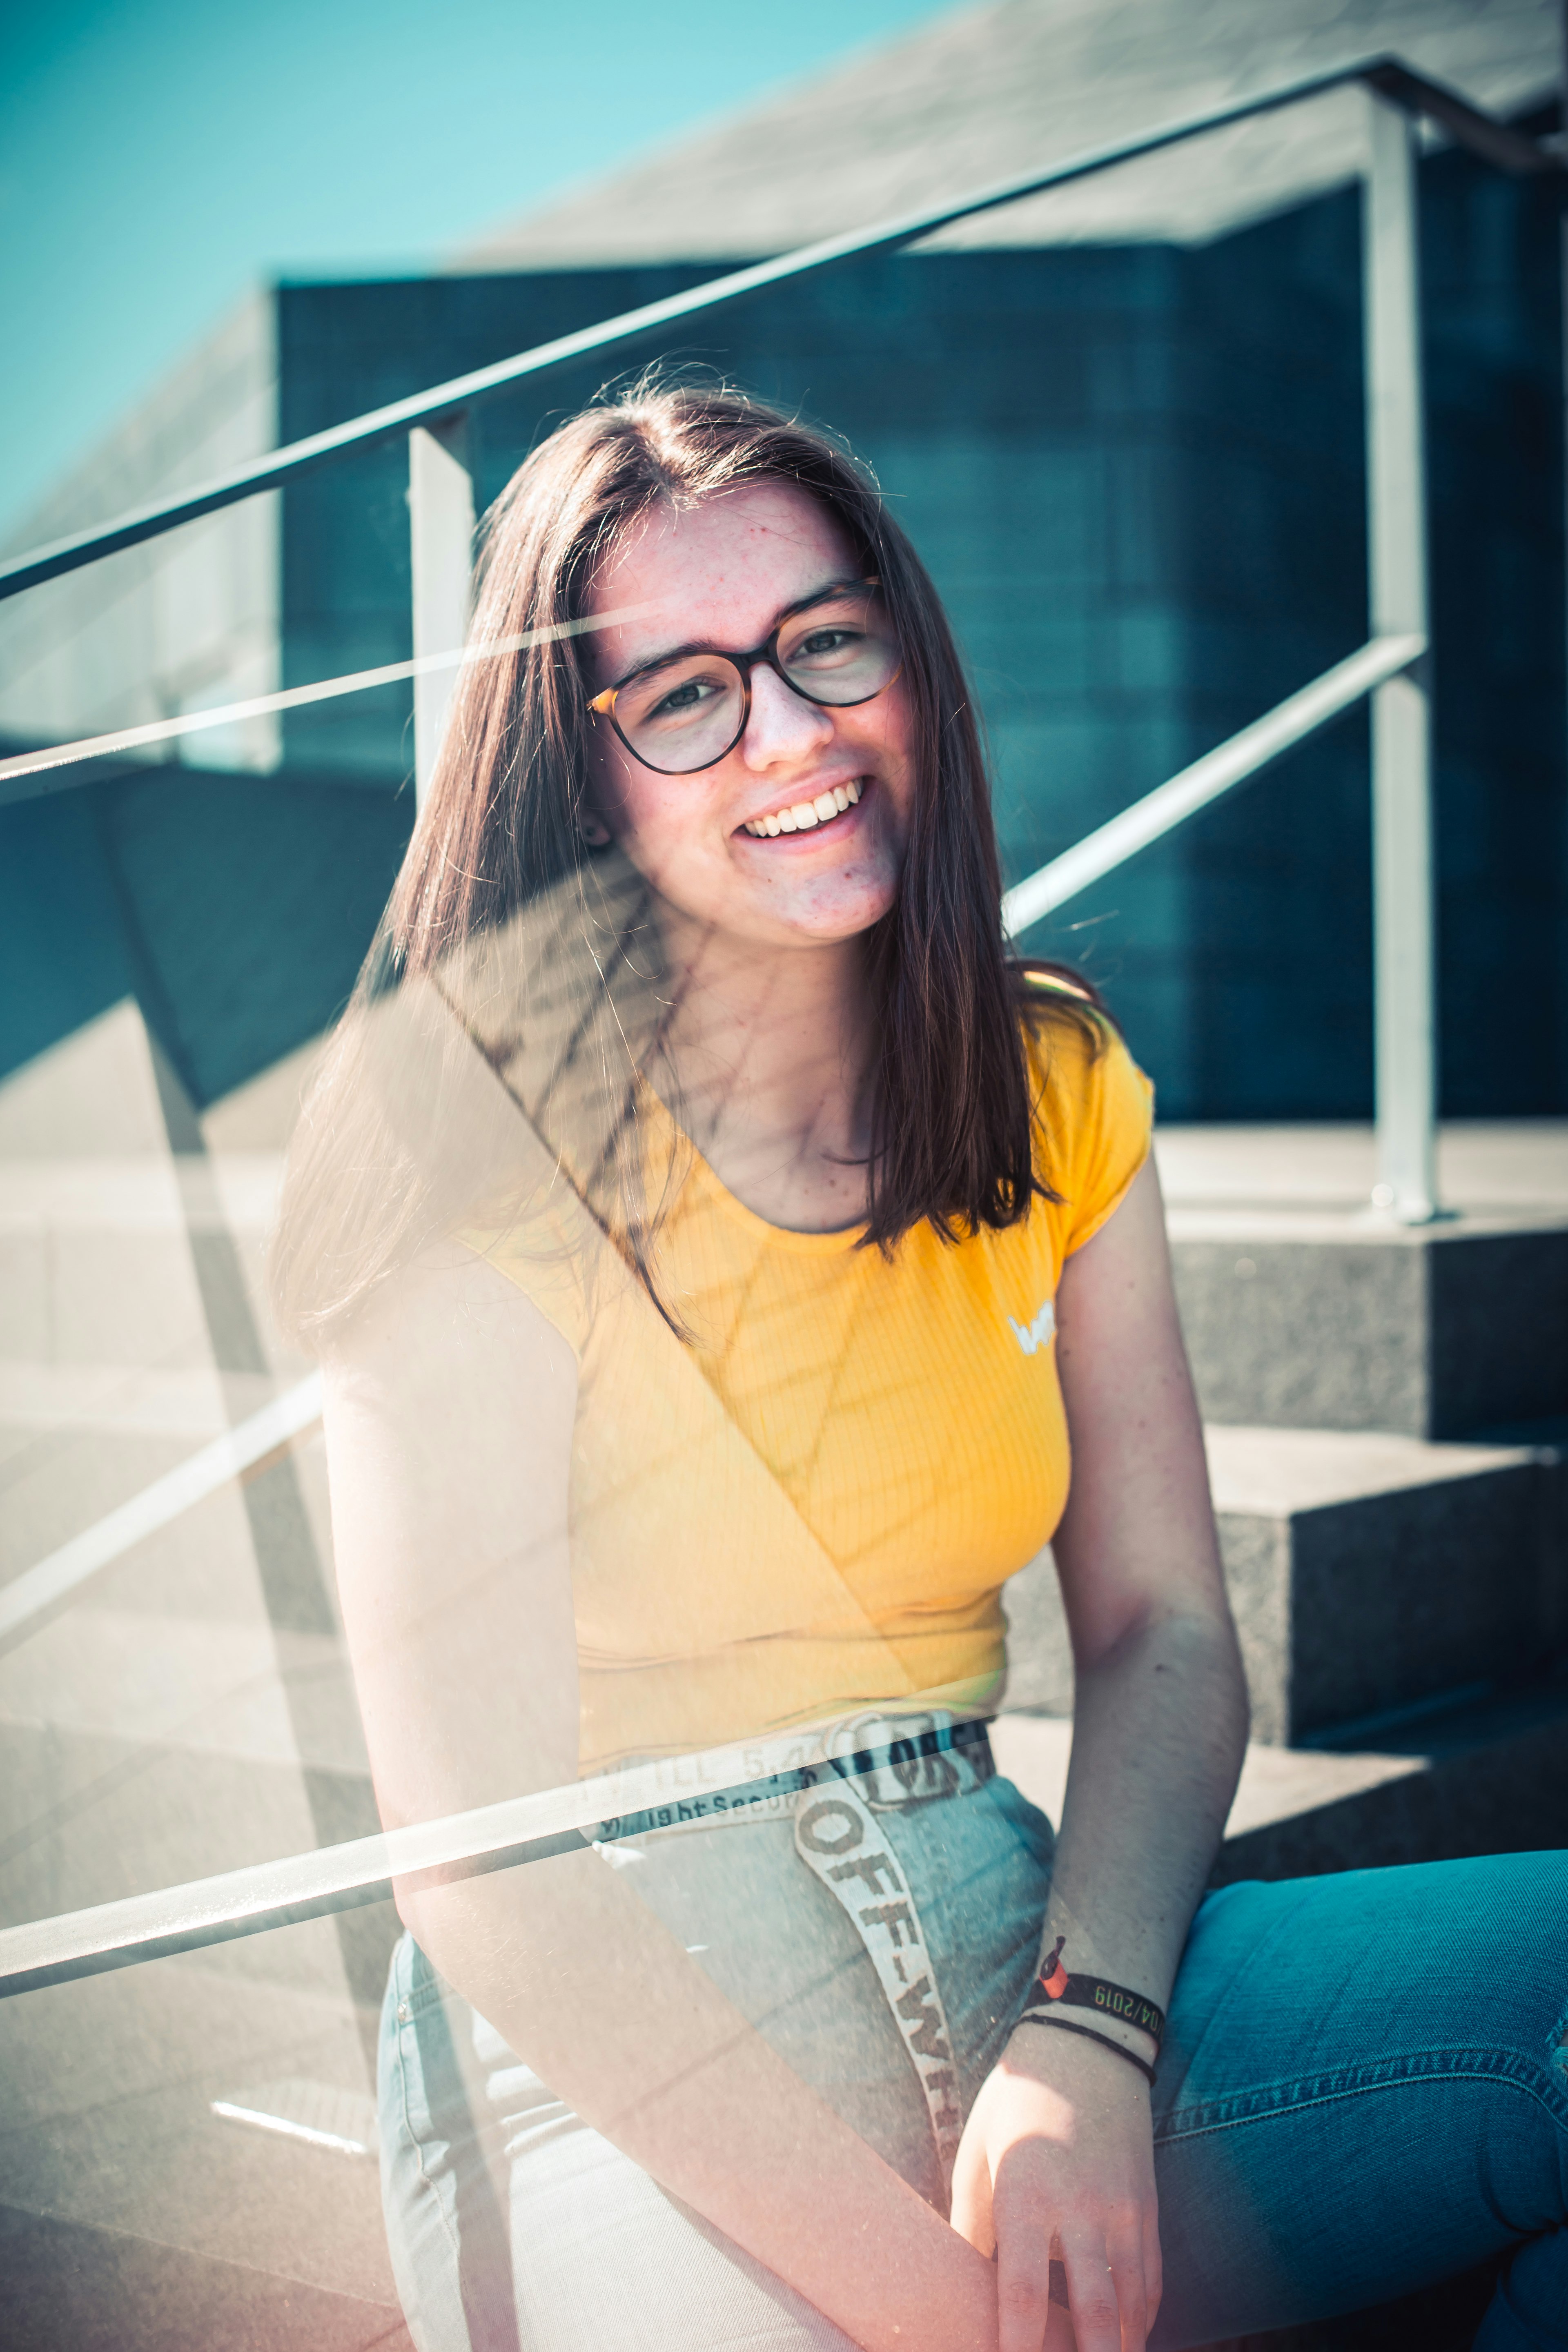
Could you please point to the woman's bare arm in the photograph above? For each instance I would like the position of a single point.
(1059, 2150)
(449, 1416)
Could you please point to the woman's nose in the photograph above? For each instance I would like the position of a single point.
(782, 725)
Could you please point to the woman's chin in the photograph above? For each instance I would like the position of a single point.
(759, 911)
(822, 911)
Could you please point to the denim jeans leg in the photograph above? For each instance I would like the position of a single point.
(1360, 2095)
(1530, 2310)
(448, 2238)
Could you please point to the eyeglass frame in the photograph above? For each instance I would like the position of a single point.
(602, 705)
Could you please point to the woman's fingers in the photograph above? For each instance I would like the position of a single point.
(1130, 2276)
(1092, 2293)
(1108, 2288)
(1024, 2290)
(971, 2212)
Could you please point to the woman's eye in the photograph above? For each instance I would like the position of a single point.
(824, 642)
(680, 700)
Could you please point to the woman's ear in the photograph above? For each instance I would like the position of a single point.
(593, 830)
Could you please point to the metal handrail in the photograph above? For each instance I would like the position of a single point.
(1240, 756)
(1415, 93)
(41, 1589)
(1234, 761)
(629, 1802)
(16, 769)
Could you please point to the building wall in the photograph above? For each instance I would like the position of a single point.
(977, 385)
(1280, 944)
(1136, 474)
(1493, 287)
(345, 564)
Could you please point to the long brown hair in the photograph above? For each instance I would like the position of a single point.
(954, 1135)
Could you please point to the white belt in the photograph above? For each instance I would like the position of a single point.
(910, 1759)
(904, 1762)
(838, 1837)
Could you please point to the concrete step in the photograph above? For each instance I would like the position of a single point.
(1328, 1321)
(1482, 1164)
(1367, 1572)
(1479, 1775)
(1278, 1784)
(1304, 1308)
(97, 1257)
(1464, 1776)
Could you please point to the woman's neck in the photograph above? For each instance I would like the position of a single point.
(771, 1051)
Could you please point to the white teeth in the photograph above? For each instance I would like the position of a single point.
(805, 816)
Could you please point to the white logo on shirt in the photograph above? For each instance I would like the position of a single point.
(1037, 1334)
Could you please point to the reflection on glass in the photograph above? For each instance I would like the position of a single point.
(707, 1236)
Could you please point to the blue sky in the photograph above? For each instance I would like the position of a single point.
(157, 157)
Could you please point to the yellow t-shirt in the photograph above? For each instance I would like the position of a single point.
(810, 1505)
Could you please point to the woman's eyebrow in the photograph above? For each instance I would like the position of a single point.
(706, 645)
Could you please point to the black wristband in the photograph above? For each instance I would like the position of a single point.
(1053, 2017)
(1053, 1984)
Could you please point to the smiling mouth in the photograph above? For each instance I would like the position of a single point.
(806, 816)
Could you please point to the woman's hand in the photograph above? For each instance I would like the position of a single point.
(1058, 2161)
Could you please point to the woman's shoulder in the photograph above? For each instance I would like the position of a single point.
(1093, 1104)
(548, 1248)
(1074, 1046)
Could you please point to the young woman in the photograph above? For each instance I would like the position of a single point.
(714, 1239)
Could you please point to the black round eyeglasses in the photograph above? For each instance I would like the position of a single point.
(688, 710)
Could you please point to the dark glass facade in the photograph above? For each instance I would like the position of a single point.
(1136, 474)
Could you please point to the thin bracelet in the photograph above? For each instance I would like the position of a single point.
(1054, 2017)
(1053, 1982)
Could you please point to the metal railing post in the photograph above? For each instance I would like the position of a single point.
(1402, 879)
(441, 542)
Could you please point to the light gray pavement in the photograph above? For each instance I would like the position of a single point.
(161, 1727)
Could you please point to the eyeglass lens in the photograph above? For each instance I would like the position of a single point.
(687, 713)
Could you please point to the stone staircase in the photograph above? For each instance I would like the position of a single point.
(1392, 1509)
(1387, 1418)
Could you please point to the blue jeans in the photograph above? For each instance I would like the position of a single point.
(1363, 2090)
